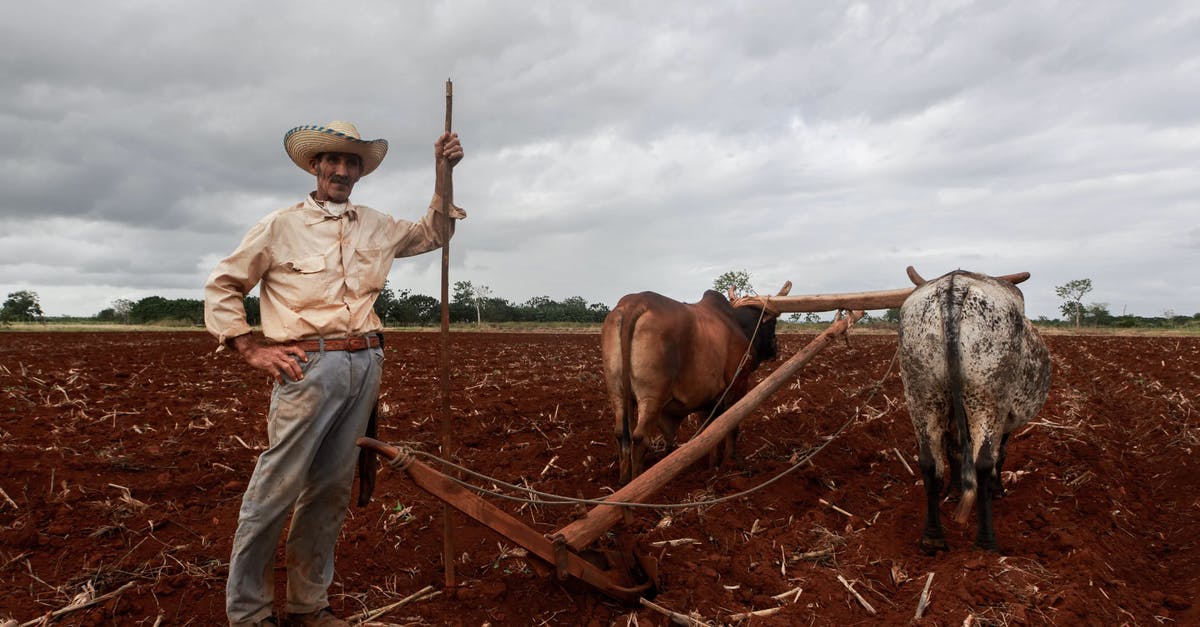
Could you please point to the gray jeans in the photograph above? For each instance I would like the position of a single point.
(308, 470)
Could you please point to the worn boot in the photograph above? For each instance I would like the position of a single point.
(319, 618)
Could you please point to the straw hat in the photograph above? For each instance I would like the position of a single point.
(305, 142)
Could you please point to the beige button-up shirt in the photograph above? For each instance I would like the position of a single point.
(319, 273)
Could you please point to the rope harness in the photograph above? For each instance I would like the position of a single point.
(408, 454)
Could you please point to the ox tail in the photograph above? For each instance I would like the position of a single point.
(625, 325)
(951, 321)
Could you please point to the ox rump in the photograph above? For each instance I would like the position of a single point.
(974, 369)
(664, 359)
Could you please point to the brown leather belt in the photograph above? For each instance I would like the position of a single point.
(341, 344)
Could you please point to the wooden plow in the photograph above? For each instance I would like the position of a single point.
(619, 573)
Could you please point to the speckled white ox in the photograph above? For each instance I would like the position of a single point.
(974, 369)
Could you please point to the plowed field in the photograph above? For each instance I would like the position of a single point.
(124, 457)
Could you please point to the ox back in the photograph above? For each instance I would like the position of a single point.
(973, 369)
(664, 359)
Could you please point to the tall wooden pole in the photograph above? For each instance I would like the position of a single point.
(446, 192)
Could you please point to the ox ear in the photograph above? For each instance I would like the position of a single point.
(914, 277)
(787, 287)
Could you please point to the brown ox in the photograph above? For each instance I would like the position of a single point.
(974, 369)
(664, 359)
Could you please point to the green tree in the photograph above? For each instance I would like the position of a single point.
(481, 296)
(467, 294)
(573, 309)
(892, 315)
(417, 309)
(253, 309)
(463, 292)
(121, 308)
(1098, 314)
(385, 303)
(739, 280)
(158, 309)
(1072, 293)
(21, 306)
(599, 311)
(810, 317)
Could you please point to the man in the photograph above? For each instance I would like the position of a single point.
(319, 264)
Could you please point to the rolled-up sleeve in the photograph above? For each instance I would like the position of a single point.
(425, 235)
(231, 280)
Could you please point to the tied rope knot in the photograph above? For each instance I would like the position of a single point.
(769, 308)
(404, 457)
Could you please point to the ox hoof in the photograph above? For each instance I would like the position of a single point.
(988, 545)
(931, 546)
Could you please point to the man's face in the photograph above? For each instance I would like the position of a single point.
(337, 172)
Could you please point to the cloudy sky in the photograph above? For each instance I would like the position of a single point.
(615, 147)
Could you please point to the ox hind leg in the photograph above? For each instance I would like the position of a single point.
(933, 538)
(998, 490)
(649, 420)
(624, 456)
(626, 414)
(985, 467)
(726, 450)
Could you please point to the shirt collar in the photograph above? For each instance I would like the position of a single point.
(315, 211)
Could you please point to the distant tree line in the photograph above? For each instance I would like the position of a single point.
(394, 309)
(1093, 315)
(468, 304)
(471, 303)
(156, 309)
(475, 303)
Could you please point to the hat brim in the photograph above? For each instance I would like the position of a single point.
(305, 142)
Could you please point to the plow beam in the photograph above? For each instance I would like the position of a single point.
(583, 532)
(615, 584)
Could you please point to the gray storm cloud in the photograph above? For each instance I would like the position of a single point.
(614, 148)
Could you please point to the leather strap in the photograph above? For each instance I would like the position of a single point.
(341, 344)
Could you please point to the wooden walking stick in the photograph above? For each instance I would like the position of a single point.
(446, 191)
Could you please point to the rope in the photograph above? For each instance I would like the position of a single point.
(407, 454)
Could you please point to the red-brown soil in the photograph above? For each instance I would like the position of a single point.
(125, 456)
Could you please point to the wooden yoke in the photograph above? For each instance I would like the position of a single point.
(852, 300)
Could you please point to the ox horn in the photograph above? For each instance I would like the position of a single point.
(787, 287)
(913, 276)
(732, 294)
(1014, 278)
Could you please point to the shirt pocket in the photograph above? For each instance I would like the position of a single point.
(302, 282)
(369, 269)
(306, 265)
